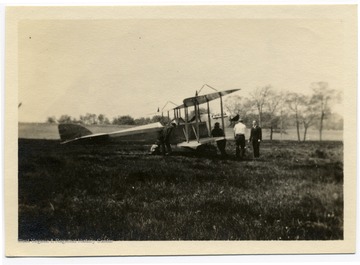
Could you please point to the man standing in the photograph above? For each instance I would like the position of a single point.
(218, 132)
(239, 134)
(255, 138)
(165, 138)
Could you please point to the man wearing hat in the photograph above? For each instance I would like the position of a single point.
(256, 138)
(239, 134)
(218, 132)
(165, 138)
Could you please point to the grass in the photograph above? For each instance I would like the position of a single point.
(294, 192)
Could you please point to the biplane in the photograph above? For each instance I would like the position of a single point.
(189, 132)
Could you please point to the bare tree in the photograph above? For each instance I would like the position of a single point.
(142, 121)
(259, 97)
(272, 103)
(51, 119)
(123, 120)
(295, 102)
(321, 100)
(238, 105)
(159, 118)
(102, 119)
(106, 121)
(308, 114)
(282, 111)
(93, 119)
(88, 119)
(65, 119)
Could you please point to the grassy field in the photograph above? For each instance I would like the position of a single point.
(68, 192)
(50, 131)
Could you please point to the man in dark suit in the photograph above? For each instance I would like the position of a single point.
(218, 132)
(255, 138)
(165, 138)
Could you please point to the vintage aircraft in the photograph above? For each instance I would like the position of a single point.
(190, 133)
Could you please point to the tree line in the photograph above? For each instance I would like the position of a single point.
(101, 119)
(277, 110)
(273, 109)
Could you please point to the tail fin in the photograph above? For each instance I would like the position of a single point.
(70, 131)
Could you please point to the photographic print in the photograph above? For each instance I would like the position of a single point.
(180, 130)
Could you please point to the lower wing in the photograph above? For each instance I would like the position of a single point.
(75, 133)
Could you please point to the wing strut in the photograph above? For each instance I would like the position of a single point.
(196, 135)
(197, 122)
(208, 111)
(222, 113)
(187, 124)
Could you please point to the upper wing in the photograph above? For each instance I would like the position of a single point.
(188, 102)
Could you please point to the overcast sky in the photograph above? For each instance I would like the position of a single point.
(120, 67)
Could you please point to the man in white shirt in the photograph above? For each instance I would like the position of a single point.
(239, 134)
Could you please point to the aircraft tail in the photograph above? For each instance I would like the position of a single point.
(70, 131)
